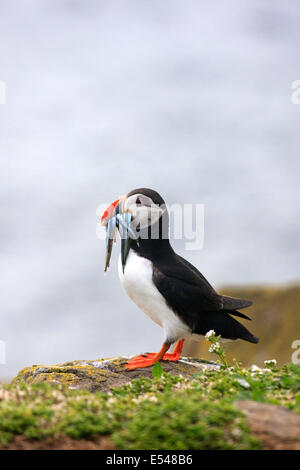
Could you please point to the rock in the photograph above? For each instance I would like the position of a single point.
(276, 427)
(103, 374)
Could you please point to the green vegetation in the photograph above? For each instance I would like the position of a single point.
(166, 412)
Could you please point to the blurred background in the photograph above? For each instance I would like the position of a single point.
(192, 99)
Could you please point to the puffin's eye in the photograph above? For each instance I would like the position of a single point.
(138, 201)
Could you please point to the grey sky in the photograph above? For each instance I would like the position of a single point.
(96, 91)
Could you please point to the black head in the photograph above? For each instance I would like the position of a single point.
(149, 193)
(143, 222)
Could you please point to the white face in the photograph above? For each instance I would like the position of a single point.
(143, 210)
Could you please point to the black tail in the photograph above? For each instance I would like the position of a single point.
(238, 330)
(239, 314)
(233, 303)
(224, 325)
(251, 338)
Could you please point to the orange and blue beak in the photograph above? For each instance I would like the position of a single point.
(115, 218)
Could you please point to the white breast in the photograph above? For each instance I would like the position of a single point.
(138, 284)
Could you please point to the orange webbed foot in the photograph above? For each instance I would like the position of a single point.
(175, 355)
(140, 363)
(148, 359)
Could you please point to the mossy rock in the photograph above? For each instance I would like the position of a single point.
(209, 408)
(103, 374)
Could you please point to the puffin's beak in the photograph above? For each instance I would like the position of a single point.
(126, 234)
(114, 217)
(108, 219)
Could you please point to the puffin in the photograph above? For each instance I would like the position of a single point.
(165, 286)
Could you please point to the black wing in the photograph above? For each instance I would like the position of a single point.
(228, 303)
(181, 283)
(191, 296)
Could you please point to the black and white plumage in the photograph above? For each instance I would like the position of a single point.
(169, 289)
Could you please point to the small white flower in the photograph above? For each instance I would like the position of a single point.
(111, 401)
(153, 398)
(243, 383)
(236, 432)
(270, 362)
(255, 368)
(215, 348)
(210, 334)
(4, 395)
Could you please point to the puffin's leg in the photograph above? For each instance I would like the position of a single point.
(141, 361)
(175, 355)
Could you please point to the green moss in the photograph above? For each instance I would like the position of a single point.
(70, 373)
(168, 412)
(177, 423)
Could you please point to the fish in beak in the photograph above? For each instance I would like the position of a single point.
(113, 218)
